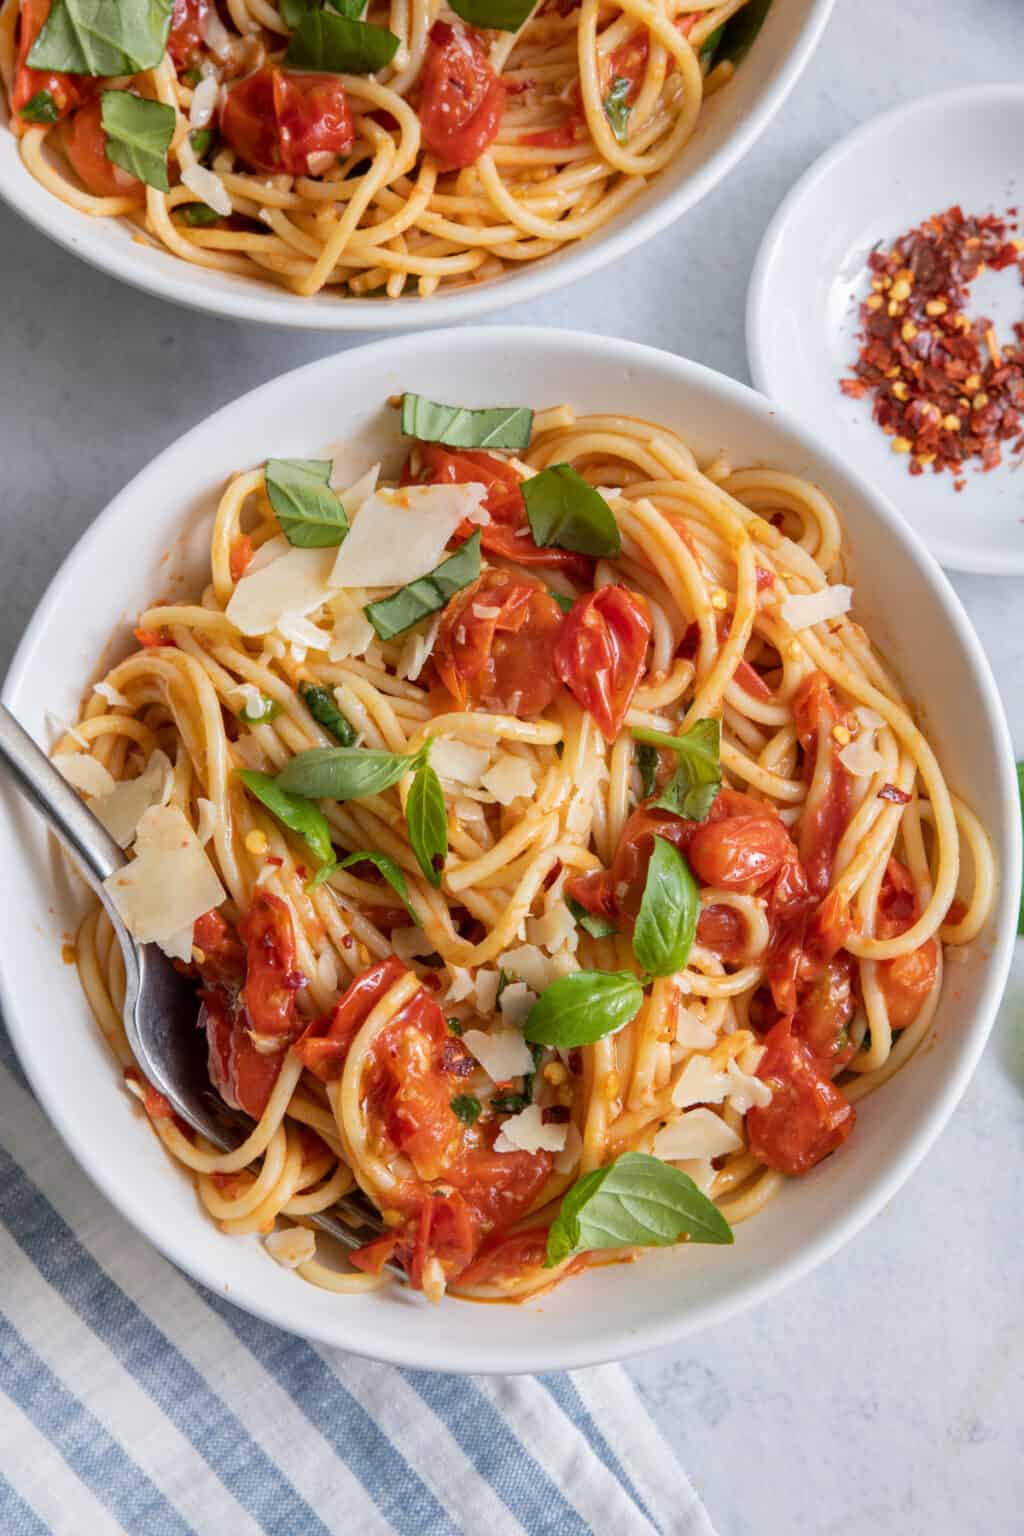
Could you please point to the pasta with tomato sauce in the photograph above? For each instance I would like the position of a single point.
(540, 830)
(404, 151)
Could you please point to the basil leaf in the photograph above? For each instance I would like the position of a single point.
(669, 909)
(693, 787)
(1020, 786)
(268, 710)
(393, 615)
(344, 773)
(564, 510)
(740, 31)
(499, 15)
(510, 1103)
(339, 45)
(466, 1108)
(293, 11)
(102, 37)
(138, 136)
(454, 1026)
(504, 427)
(292, 811)
(582, 1007)
(427, 820)
(198, 215)
(40, 108)
(202, 141)
(385, 865)
(710, 48)
(597, 927)
(565, 603)
(647, 762)
(325, 712)
(310, 514)
(636, 1201)
(616, 107)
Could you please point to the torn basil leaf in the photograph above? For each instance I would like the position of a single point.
(391, 616)
(40, 108)
(667, 921)
(384, 865)
(102, 37)
(427, 820)
(199, 215)
(597, 927)
(583, 1006)
(498, 15)
(647, 762)
(565, 603)
(616, 107)
(693, 787)
(730, 42)
(320, 703)
(138, 135)
(339, 45)
(506, 428)
(310, 514)
(564, 510)
(292, 811)
(345, 773)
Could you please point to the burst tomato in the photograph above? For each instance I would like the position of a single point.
(601, 653)
(507, 1258)
(67, 91)
(462, 98)
(243, 1075)
(808, 1116)
(275, 119)
(826, 1009)
(85, 145)
(325, 1043)
(827, 808)
(223, 962)
(186, 35)
(906, 980)
(271, 980)
(495, 643)
(741, 853)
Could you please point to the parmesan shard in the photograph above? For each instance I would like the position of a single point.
(510, 779)
(461, 985)
(700, 1170)
(530, 964)
(458, 763)
(293, 582)
(353, 631)
(860, 756)
(746, 1091)
(113, 695)
(124, 807)
(699, 1133)
(503, 1053)
(291, 1246)
(417, 648)
(526, 1132)
(399, 535)
(167, 885)
(515, 1003)
(353, 496)
(700, 1083)
(554, 931)
(692, 1031)
(208, 187)
(802, 609)
(486, 991)
(85, 773)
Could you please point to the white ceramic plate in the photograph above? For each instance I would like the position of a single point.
(154, 537)
(728, 127)
(809, 280)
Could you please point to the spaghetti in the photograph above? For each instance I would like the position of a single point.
(259, 144)
(683, 901)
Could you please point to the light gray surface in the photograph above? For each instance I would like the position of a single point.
(884, 1395)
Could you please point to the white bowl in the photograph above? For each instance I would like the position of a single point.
(728, 126)
(809, 280)
(155, 532)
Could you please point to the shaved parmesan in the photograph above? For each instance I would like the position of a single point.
(204, 101)
(295, 582)
(111, 694)
(85, 773)
(410, 944)
(859, 756)
(249, 699)
(486, 990)
(461, 985)
(320, 161)
(699, 1133)
(700, 1083)
(124, 807)
(208, 187)
(555, 930)
(526, 1132)
(353, 631)
(353, 496)
(167, 885)
(214, 33)
(532, 965)
(457, 762)
(249, 753)
(418, 646)
(745, 1090)
(869, 718)
(207, 820)
(291, 1246)
(503, 1053)
(699, 1170)
(692, 1031)
(399, 535)
(515, 1003)
(801, 610)
(299, 631)
(510, 779)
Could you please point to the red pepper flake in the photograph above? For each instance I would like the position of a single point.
(552, 875)
(945, 390)
(897, 796)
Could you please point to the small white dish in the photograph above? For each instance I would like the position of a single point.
(729, 124)
(153, 540)
(809, 279)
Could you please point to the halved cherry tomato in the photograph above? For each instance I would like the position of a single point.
(271, 980)
(275, 119)
(826, 1009)
(722, 930)
(808, 1116)
(601, 653)
(906, 980)
(67, 91)
(324, 1044)
(185, 40)
(223, 962)
(462, 98)
(85, 144)
(243, 1075)
(507, 1257)
(494, 646)
(741, 853)
(827, 808)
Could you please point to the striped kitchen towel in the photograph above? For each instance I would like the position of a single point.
(133, 1400)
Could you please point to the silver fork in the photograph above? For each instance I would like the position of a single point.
(160, 1005)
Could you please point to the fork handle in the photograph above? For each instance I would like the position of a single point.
(62, 809)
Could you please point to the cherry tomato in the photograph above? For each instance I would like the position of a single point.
(223, 962)
(324, 1044)
(507, 1257)
(462, 98)
(85, 145)
(186, 35)
(740, 853)
(243, 1075)
(494, 646)
(271, 980)
(601, 654)
(67, 91)
(828, 806)
(826, 1009)
(722, 930)
(808, 1116)
(275, 119)
(906, 980)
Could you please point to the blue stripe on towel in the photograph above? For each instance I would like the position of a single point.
(563, 1389)
(16, 1517)
(116, 1480)
(174, 1385)
(9, 1059)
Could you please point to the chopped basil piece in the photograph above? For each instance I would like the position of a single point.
(198, 215)
(647, 762)
(310, 514)
(427, 821)
(138, 136)
(565, 603)
(597, 927)
(582, 1007)
(503, 427)
(499, 15)
(102, 37)
(345, 773)
(635, 1202)
(385, 865)
(393, 615)
(267, 710)
(325, 712)
(191, 78)
(710, 48)
(339, 45)
(694, 786)
(466, 1108)
(669, 909)
(202, 141)
(40, 108)
(454, 1026)
(292, 811)
(509, 1103)
(564, 510)
(740, 32)
(616, 107)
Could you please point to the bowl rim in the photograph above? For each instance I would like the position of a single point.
(263, 306)
(621, 1341)
(884, 127)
